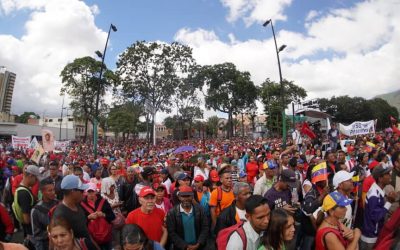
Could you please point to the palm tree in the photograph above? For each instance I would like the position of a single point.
(213, 124)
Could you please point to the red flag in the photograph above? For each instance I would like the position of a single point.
(306, 130)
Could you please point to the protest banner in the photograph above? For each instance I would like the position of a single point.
(358, 128)
(48, 140)
(344, 143)
(20, 142)
(37, 154)
(61, 145)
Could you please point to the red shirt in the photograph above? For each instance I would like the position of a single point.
(150, 223)
(252, 171)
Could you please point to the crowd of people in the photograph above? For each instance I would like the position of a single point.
(224, 194)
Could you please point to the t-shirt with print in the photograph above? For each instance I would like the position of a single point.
(277, 199)
(226, 200)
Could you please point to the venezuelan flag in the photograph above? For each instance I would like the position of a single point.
(319, 173)
(356, 180)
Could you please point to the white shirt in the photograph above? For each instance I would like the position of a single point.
(296, 136)
(253, 239)
(167, 183)
(203, 172)
(241, 213)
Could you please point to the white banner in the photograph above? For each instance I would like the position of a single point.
(20, 142)
(61, 145)
(358, 128)
(343, 144)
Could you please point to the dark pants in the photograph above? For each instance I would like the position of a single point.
(42, 244)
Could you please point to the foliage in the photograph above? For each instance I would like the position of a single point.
(272, 100)
(229, 90)
(81, 82)
(23, 118)
(346, 110)
(213, 125)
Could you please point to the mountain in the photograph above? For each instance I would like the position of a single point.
(393, 98)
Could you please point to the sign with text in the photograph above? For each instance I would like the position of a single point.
(20, 142)
(358, 128)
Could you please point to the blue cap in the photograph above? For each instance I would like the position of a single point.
(242, 174)
(164, 171)
(183, 176)
(73, 182)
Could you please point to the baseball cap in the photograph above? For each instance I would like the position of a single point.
(182, 176)
(33, 170)
(185, 190)
(380, 171)
(335, 199)
(341, 176)
(92, 187)
(147, 171)
(164, 171)
(269, 165)
(15, 168)
(288, 176)
(73, 182)
(146, 191)
(242, 174)
(158, 185)
(199, 178)
(214, 175)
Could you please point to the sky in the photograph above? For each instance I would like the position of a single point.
(334, 47)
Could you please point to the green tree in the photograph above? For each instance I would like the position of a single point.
(229, 90)
(81, 82)
(272, 100)
(382, 111)
(151, 71)
(24, 117)
(213, 125)
(124, 118)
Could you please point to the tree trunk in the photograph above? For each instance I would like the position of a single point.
(86, 129)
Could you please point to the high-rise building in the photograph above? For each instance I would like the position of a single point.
(7, 81)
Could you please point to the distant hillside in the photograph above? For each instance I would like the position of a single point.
(393, 98)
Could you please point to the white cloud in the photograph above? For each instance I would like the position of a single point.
(256, 10)
(56, 33)
(351, 51)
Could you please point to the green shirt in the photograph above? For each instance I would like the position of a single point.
(262, 247)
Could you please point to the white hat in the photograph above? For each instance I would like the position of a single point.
(341, 176)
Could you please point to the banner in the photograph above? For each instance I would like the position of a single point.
(37, 154)
(61, 145)
(20, 142)
(34, 143)
(358, 128)
(48, 140)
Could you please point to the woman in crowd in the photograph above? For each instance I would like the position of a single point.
(61, 237)
(109, 192)
(331, 233)
(280, 231)
(90, 204)
(133, 237)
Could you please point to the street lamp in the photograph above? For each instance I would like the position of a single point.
(282, 47)
(102, 56)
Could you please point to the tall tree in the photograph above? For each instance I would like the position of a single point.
(152, 71)
(213, 125)
(229, 90)
(271, 98)
(124, 118)
(81, 82)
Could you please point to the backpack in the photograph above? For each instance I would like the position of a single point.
(99, 229)
(219, 198)
(224, 235)
(16, 207)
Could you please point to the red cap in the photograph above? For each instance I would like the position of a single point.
(15, 168)
(185, 190)
(199, 178)
(373, 164)
(214, 175)
(146, 191)
(104, 161)
(158, 185)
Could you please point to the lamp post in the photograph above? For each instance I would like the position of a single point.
(95, 120)
(282, 47)
(62, 109)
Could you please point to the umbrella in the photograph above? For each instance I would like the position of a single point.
(184, 149)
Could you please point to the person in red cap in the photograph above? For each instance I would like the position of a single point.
(214, 178)
(202, 193)
(148, 217)
(187, 223)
